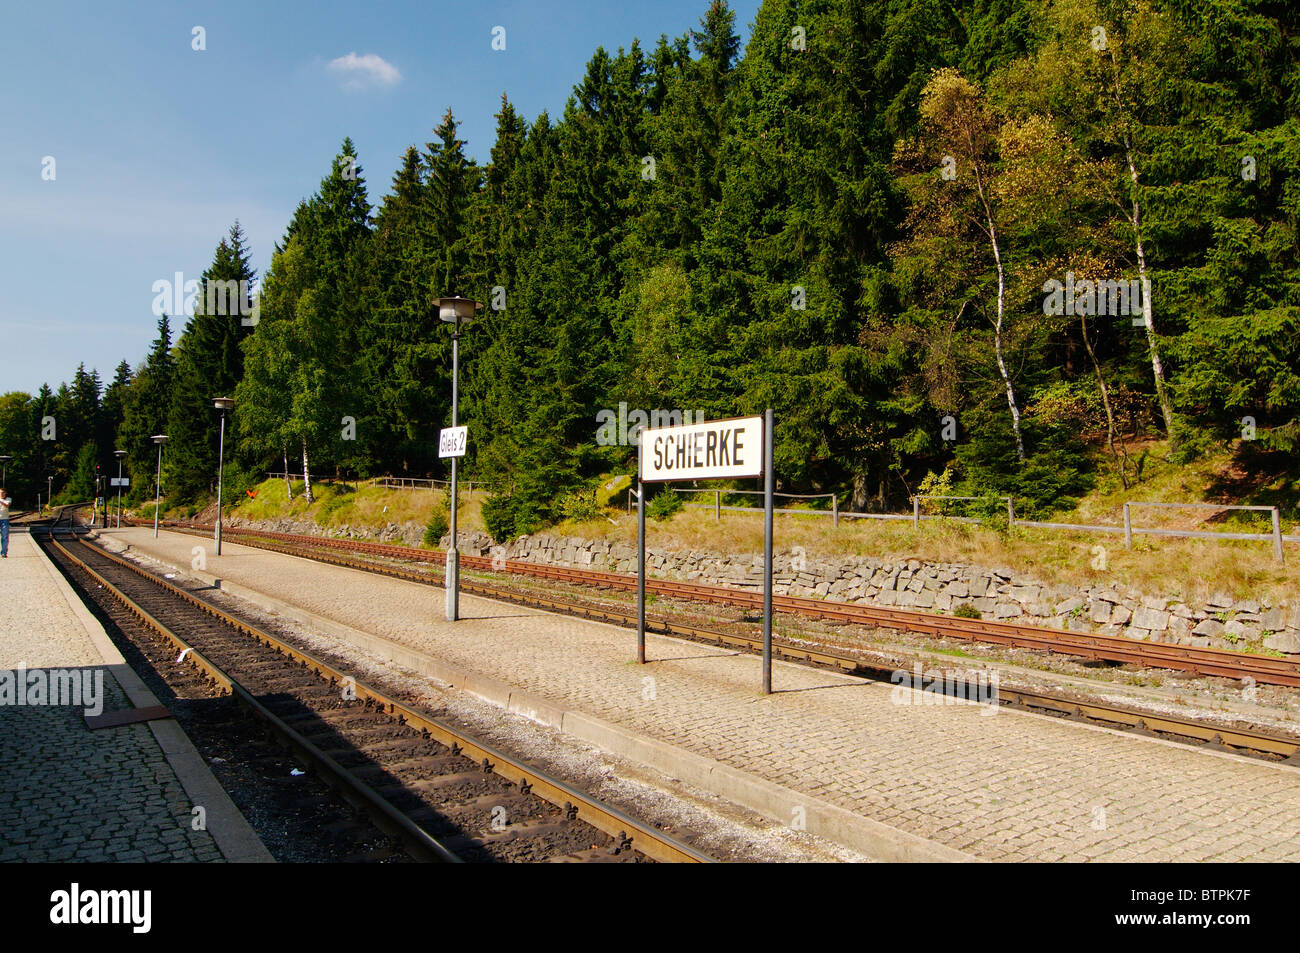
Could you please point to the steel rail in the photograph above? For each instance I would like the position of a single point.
(628, 831)
(418, 842)
(1134, 719)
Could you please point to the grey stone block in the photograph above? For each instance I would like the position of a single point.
(1153, 619)
(1025, 594)
(1288, 642)
(1210, 627)
(1068, 605)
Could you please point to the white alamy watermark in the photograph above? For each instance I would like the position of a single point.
(1111, 297)
(948, 687)
(622, 428)
(221, 297)
(76, 906)
(53, 686)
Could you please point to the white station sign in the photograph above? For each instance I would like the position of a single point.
(714, 450)
(451, 441)
(119, 481)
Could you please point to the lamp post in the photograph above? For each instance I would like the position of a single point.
(119, 454)
(4, 468)
(454, 311)
(222, 404)
(160, 439)
(49, 494)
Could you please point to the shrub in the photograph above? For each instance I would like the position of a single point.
(579, 507)
(967, 611)
(499, 517)
(664, 506)
(438, 525)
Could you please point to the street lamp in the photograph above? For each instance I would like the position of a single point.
(119, 454)
(222, 404)
(454, 311)
(160, 439)
(49, 495)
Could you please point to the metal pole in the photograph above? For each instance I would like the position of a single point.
(916, 512)
(1277, 534)
(1128, 529)
(769, 481)
(157, 492)
(119, 493)
(717, 506)
(221, 462)
(835, 510)
(451, 579)
(640, 571)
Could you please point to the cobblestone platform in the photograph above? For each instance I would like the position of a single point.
(115, 794)
(1005, 787)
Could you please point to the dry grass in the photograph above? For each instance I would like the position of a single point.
(1187, 569)
(364, 505)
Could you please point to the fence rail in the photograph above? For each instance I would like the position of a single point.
(389, 482)
(1276, 536)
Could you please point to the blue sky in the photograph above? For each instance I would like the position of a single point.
(159, 147)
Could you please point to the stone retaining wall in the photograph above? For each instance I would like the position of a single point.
(1222, 622)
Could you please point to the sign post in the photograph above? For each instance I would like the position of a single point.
(768, 484)
(732, 449)
(640, 572)
(451, 443)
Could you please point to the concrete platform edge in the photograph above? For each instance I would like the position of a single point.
(235, 838)
(779, 803)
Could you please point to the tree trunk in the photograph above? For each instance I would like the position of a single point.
(858, 499)
(1135, 220)
(1157, 368)
(288, 487)
(306, 474)
(1121, 465)
(997, 327)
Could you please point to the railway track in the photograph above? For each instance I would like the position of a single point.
(1111, 648)
(1268, 745)
(443, 794)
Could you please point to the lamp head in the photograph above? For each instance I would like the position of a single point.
(223, 403)
(456, 310)
(160, 438)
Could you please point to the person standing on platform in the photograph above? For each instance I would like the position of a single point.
(5, 503)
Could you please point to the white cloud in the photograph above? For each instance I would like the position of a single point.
(361, 72)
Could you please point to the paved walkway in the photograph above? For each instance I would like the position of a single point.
(71, 794)
(1010, 786)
